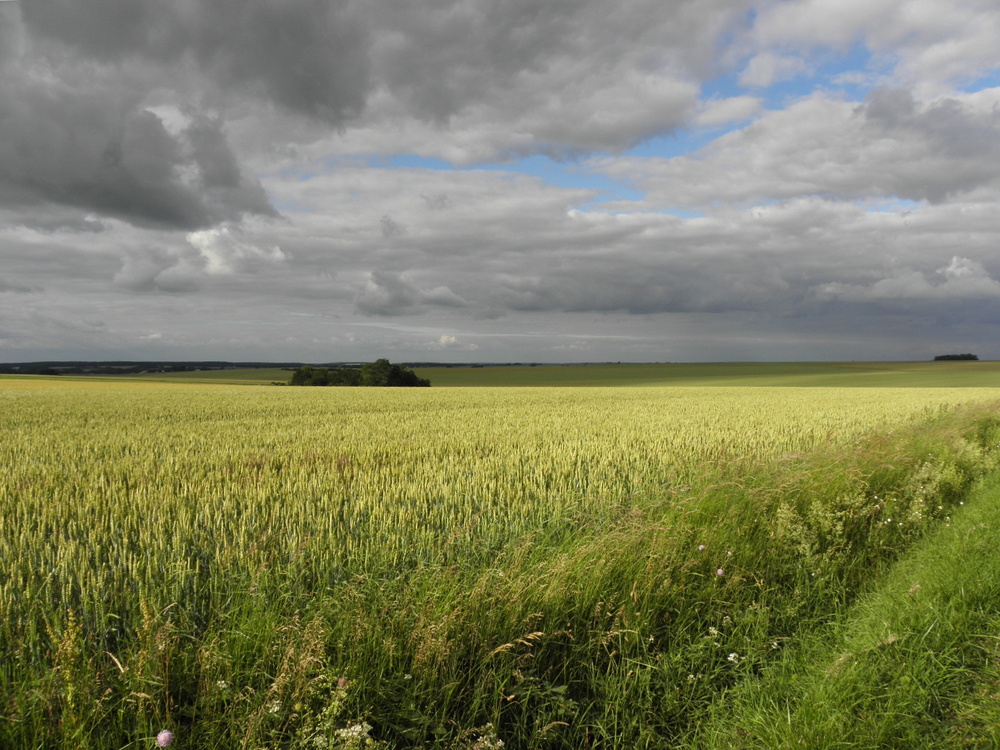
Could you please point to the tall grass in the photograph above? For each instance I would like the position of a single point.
(555, 568)
(913, 663)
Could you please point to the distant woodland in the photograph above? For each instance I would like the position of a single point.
(380, 373)
(954, 357)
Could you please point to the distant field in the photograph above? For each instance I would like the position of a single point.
(263, 376)
(763, 374)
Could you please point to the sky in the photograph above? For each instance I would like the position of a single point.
(499, 180)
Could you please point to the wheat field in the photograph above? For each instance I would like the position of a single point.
(121, 499)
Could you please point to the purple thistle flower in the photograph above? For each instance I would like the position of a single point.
(720, 572)
(164, 738)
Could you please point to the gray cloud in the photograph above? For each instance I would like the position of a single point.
(962, 279)
(392, 294)
(890, 146)
(97, 149)
(307, 55)
(7, 287)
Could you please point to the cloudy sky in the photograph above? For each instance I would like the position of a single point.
(499, 180)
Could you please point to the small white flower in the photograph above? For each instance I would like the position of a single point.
(355, 732)
(734, 658)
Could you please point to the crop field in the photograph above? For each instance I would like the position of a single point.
(253, 566)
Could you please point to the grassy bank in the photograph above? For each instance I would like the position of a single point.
(210, 564)
(914, 663)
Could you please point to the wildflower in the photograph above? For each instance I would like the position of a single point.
(713, 632)
(734, 658)
(355, 734)
(720, 572)
(222, 685)
(701, 547)
(729, 554)
(164, 738)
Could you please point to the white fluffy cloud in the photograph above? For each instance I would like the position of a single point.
(226, 252)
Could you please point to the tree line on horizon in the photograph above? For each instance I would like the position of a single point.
(380, 373)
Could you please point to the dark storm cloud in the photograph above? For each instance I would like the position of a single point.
(7, 287)
(307, 55)
(561, 77)
(87, 86)
(959, 144)
(97, 149)
(76, 120)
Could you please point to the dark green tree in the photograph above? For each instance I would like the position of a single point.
(385, 374)
(380, 373)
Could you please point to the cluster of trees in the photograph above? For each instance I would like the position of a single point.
(378, 373)
(951, 357)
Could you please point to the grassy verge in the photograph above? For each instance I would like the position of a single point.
(915, 663)
(638, 627)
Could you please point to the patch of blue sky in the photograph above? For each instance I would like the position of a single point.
(844, 74)
(988, 80)
(412, 161)
(675, 211)
(852, 71)
(889, 205)
(679, 143)
(290, 204)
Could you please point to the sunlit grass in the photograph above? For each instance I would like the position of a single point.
(915, 663)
